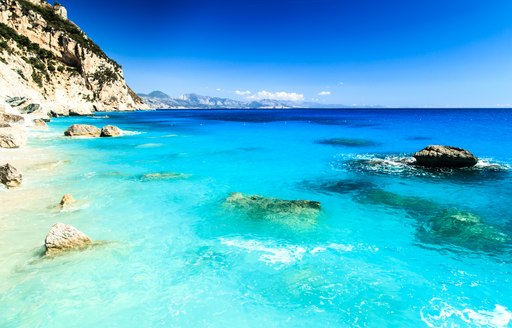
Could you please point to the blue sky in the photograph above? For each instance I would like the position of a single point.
(382, 52)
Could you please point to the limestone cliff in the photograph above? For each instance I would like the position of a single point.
(48, 65)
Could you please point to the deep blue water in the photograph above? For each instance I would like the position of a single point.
(393, 245)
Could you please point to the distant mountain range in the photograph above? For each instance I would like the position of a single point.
(160, 100)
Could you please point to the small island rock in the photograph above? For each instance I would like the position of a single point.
(111, 131)
(63, 237)
(82, 130)
(10, 176)
(444, 156)
(67, 200)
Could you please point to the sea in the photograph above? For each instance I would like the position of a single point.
(392, 245)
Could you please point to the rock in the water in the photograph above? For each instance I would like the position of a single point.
(67, 200)
(348, 142)
(63, 237)
(12, 137)
(164, 176)
(40, 124)
(444, 156)
(11, 119)
(111, 131)
(10, 176)
(298, 213)
(82, 130)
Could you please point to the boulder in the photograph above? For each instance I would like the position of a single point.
(40, 124)
(63, 237)
(10, 176)
(82, 130)
(16, 101)
(111, 131)
(67, 200)
(32, 109)
(444, 156)
(12, 137)
(11, 119)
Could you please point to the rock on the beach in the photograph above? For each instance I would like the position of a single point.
(63, 237)
(67, 200)
(111, 131)
(444, 156)
(82, 130)
(10, 176)
(12, 137)
(10, 119)
(40, 124)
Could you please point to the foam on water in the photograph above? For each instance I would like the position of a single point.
(441, 314)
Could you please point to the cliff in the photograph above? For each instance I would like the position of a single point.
(49, 67)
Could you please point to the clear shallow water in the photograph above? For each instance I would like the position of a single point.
(175, 255)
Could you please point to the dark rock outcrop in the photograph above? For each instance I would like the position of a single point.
(82, 130)
(63, 237)
(10, 176)
(445, 156)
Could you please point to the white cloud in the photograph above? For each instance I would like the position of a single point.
(324, 93)
(243, 93)
(287, 96)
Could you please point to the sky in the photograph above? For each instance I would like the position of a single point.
(395, 53)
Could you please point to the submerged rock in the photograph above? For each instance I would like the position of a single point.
(82, 130)
(12, 137)
(10, 176)
(291, 212)
(348, 142)
(344, 186)
(440, 224)
(63, 237)
(463, 229)
(111, 131)
(164, 176)
(444, 156)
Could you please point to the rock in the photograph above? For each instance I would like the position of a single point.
(111, 131)
(16, 101)
(82, 130)
(63, 237)
(10, 119)
(300, 213)
(164, 176)
(444, 156)
(10, 176)
(67, 200)
(348, 142)
(40, 124)
(32, 109)
(80, 110)
(12, 137)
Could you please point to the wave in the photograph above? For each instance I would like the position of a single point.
(273, 253)
(131, 133)
(403, 165)
(441, 314)
(100, 116)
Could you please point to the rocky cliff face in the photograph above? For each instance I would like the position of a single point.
(48, 65)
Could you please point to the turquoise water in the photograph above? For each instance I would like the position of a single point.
(384, 251)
